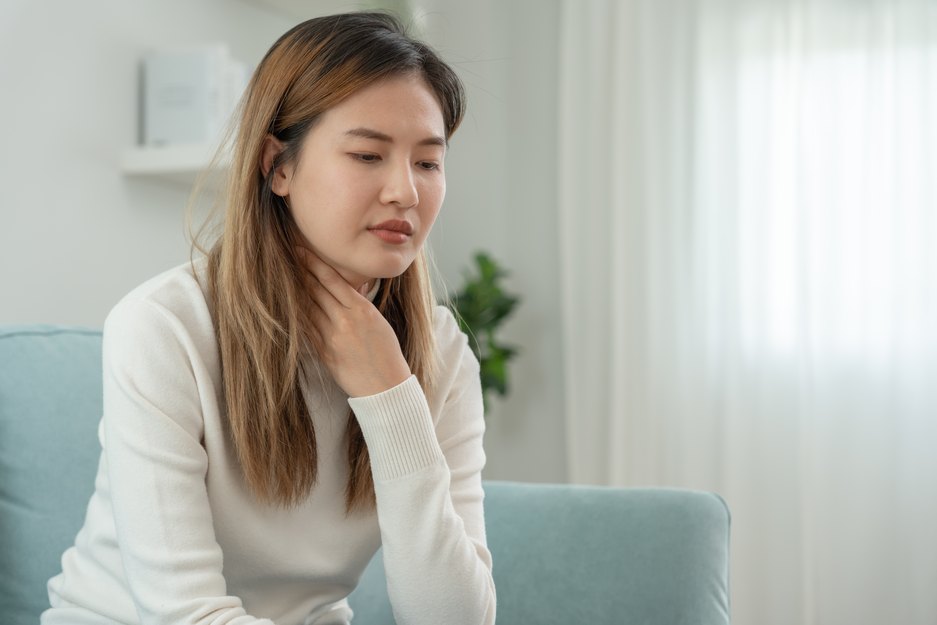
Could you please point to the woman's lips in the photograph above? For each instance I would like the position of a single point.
(390, 236)
(393, 231)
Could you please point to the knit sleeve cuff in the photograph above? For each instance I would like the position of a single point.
(398, 429)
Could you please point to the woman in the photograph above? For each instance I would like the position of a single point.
(235, 484)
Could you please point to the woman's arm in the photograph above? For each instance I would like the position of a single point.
(153, 428)
(427, 472)
(429, 495)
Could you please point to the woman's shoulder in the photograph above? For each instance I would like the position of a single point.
(449, 335)
(452, 345)
(174, 301)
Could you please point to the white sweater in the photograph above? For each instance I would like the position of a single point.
(173, 534)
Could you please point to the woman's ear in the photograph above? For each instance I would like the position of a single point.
(280, 176)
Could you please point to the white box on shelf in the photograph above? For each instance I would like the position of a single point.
(189, 93)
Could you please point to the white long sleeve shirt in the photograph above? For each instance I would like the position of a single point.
(174, 535)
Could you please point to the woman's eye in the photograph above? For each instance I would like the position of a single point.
(428, 165)
(366, 158)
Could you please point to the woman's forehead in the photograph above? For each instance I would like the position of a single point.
(398, 108)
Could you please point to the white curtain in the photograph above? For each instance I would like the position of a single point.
(748, 218)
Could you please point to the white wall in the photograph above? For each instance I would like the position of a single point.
(75, 234)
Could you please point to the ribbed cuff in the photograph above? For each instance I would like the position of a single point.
(398, 429)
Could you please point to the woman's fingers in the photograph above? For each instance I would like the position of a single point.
(330, 280)
(325, 302)
(318, 320)
(322, 297)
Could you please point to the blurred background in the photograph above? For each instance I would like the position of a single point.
(719, 218)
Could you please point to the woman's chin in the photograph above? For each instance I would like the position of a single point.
(386, 275)
(385, 270)
(361, 275)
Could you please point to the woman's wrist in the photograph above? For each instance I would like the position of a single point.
(398, 429)
(381, 383)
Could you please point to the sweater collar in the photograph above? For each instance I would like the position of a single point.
(374, 289)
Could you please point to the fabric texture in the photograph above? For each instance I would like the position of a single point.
(170, 505)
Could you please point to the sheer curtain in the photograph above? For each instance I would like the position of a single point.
(748, 218)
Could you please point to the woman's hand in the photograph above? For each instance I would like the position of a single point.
(354, 340)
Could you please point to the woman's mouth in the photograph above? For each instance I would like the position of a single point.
(395, 231)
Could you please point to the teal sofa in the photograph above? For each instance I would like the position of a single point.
(562, 554)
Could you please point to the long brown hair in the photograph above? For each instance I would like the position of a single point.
(255, 283)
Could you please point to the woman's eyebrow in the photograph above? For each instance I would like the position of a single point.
(370, 133)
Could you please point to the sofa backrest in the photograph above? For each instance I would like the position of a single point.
(50, 404)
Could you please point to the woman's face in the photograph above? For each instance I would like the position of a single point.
(369, 180)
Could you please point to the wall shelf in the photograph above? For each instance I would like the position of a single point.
(178, 164)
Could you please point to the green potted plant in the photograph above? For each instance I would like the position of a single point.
(480, 307)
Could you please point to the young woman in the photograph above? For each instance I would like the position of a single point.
(276, 411)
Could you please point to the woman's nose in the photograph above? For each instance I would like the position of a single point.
(400, 187)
